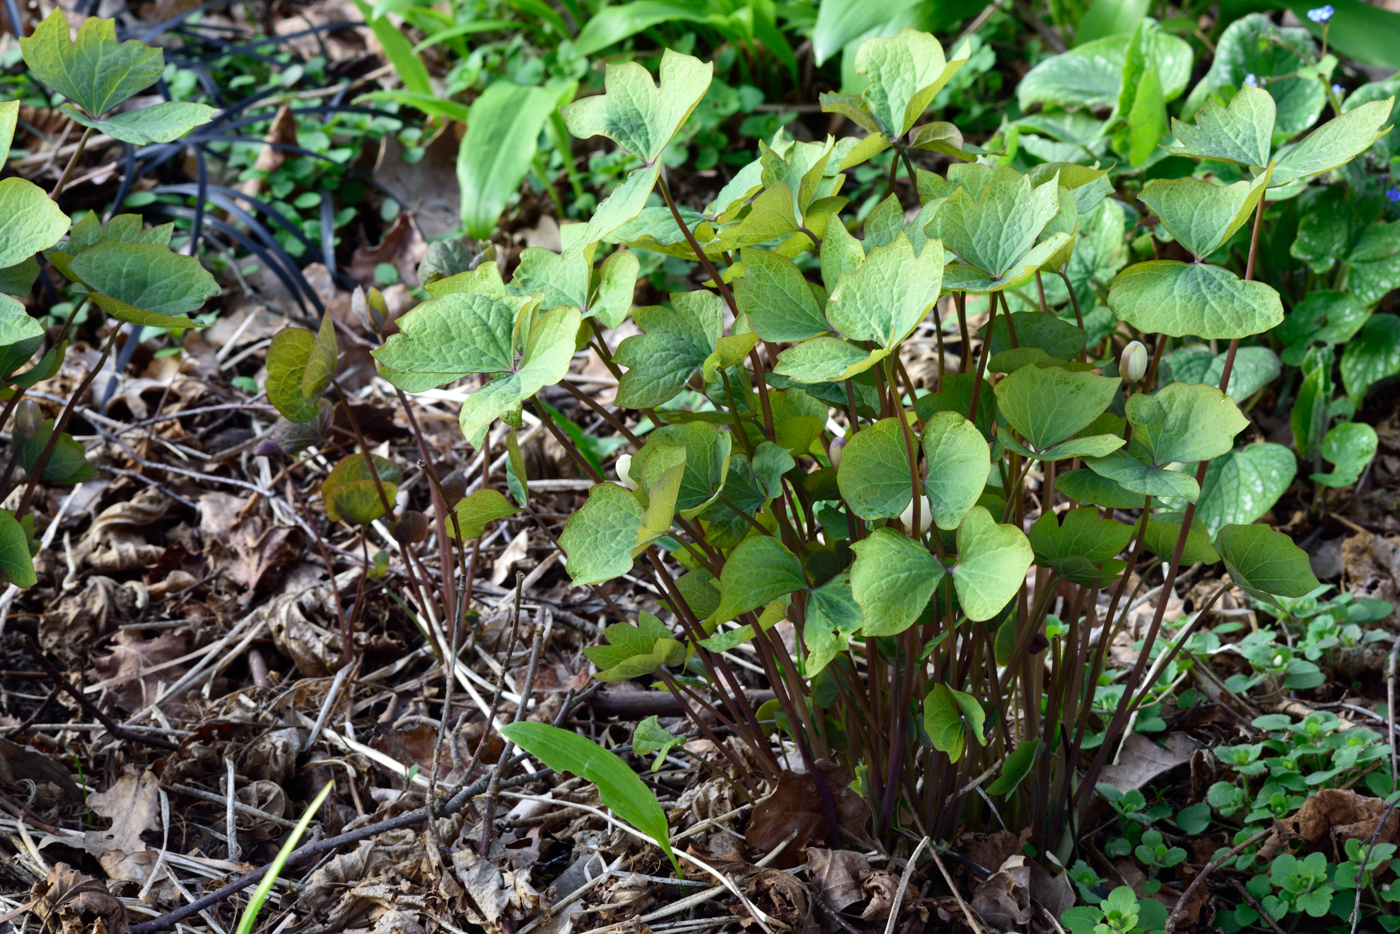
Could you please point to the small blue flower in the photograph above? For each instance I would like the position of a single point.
(1393, 194)
(1251, 81)
(1322, 14)
(1338, 90)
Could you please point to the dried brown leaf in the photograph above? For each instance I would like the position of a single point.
(836, 875)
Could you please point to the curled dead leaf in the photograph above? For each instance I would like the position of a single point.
(1003, 899)
(797, 811)
(836, 875)
(69, 901)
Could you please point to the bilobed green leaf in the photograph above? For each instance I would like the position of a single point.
(29, 221)
(757, 572)
(889, 294)
(548, 350)
(1161, 536)
(68, 462)
(634, 651)
(618, 786)
(995, 229)
(350, 494)
(1185, 423)
(826, 359)
(503, 130)
(905, 73)
(1241, 133)
(874, 472)
(1335, 143)
(958, 460)
(599, 537)
(892, 580)
(674, 347)
(1199, 214)
(634, 111)
(1244, 484)
(286, 367)
(162, 123)
(15, 323)
(1017, 766)
(320, 362)
(448, 337)
(651, 737)
(148, 276)
(1137, 476)
(96, 72)
(561, 281)
(15, 561)
(1086, 487)
(1168, 297)
(1252, 45)
(475, 511)
(948, 716)
(1371, 356)
(776, 298)
(992, 564)
(1265, 564)
(1348, 447)
(1048, 405)
(1079, 532)
(707, 456)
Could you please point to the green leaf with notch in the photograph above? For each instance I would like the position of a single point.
(905, 73)
(757, 572)
(892, 580)
(1335, 143)
(1348, 447)
(1199, 214)
(1161, 537)
(599, 537)
(634, 651)
(826, 359)
(874, 472)
(1048, 405)
(707, 455)
(889, 294)
(15, 323)
(949, 716)
(1168, 297)
(1371, 356)
(1185, 423)
(286, 368)
(992, 564)
(452, 335)
(674, 346)
(475, 511)
(637, 113)
(777, 299)
(350, 493)
(1241, 133)
(959, 461)
(96, 72)
(147, 276)
(29, 221)
(1244, 484)
(1079, 544)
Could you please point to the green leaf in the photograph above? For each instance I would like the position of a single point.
(889, 294)
(619, 788)
(832, 617)
(1252, 45)
(707, 458)
(1168, 297)
(249, 919)
(770, 462)
(320, 362)
(13, 355)
(1141, 100)
(15, 323)
(1335, 143)
(1091, 75)
(286, 368)
(350, 494)
(826, 359)
(732, 638)
(610, 298)
(1241, 133)
(757, 572)
(995, 229)
(1244, 484)
(874, 472)
(992, 564)
(948, 716)
(634, 651)
(1200, 215)
(547, 354)
(1132, 474)
(892, 580)
(162, 123)
(905, 73)
(674, 347)
(1371, 356)
(1349, 447)
(660, 485)
(133, 315)
(651, 737)
(1017, 766)
(9, 119)
(1065, 543)
(1265, 564)
(1087, 487)
(1109, 18)
(956, 396)
(1185, 423)
(611, 24)
(624, 204)
(19, 279)
(475, 511)
(147, 276)
(777, 299)
(503, 130)
(96, 72)
(29, 221)
(635, 112)
(1311, 413)
(1043, 330)
(840, 22)
(1160, 539)
(1325, 317)
(450, 336)
(958, 462)
(1048, 405)
(68, 462)
(599, 537)
(15, 561)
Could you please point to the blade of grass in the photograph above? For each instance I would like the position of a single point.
(254, 907)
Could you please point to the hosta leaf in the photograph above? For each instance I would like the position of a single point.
(1371, 356)
(350, 493)
(824, 359)
(1049, 404)
(1185, 423)
(148, 276)
(15, 561)
(1265, 564)
(776, 298)
(958, 460)
(475, 511)
(634, 651)
(29, 221)
(1348, 447)
(1241, 133)
(1199, 214)
(1167, 297)
(992, 564)
(599, 537)
(889, 294)
(96, 72)
(874, 472)
(1336, 142)
(637, 113)
(892, 580)
(948, 716)
(757, 572)
(674, 347)
(905, 73)
(1244, 484)
(162, 123)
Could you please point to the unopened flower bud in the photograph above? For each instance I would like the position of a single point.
(834, 453)
(623, 467)
(454, 487)
(1132, 365)
(925, 514)
(267, 447)
(410, 528)
(28, 418)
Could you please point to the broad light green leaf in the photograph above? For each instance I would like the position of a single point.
(889, 294)
(1109, 18)
(1265, 564)
(548, 351)
(9, 118)
(448, 337)
(1200, 215)
(905, 73)
(959, 461)
(320, 363)
(133, 315)
(598, 538)
(1244, 484)
(618, 786)
(634, 651)
(1167, 297)
(475, 511)
(1141, 101)
(286, 368)
(1371, 356)
(992, 564)
(1091, 74)
(948, 716)
(616, 22)
(162, 123)
(892, 580)
(561, 281)
(660, 485)
(706, 462)
(1348, 447)
(503, 130)
(29, 221)
(824, 359)
(777, 299)
(1048, 405)
(1017, 766)
(874, 472)
(1058, 338)
(756, 573)
(1255, 368)
(1086, 487)
(15, 323)
(996, 228)
(96, 72)
(1241, 133)
(674, 347)
(1139, 477)
(350, 493)
(1252, 45)
(832, 617)
(15, 561)
(634, 111)
(840, 22)
(650, 736)
(1326, 317)
(1185, 423)
(148, 276)
(1335, 143)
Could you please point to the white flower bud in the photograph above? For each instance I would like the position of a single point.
(925, 514)
(1132, 366)
(623, 465)
(837, 447)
